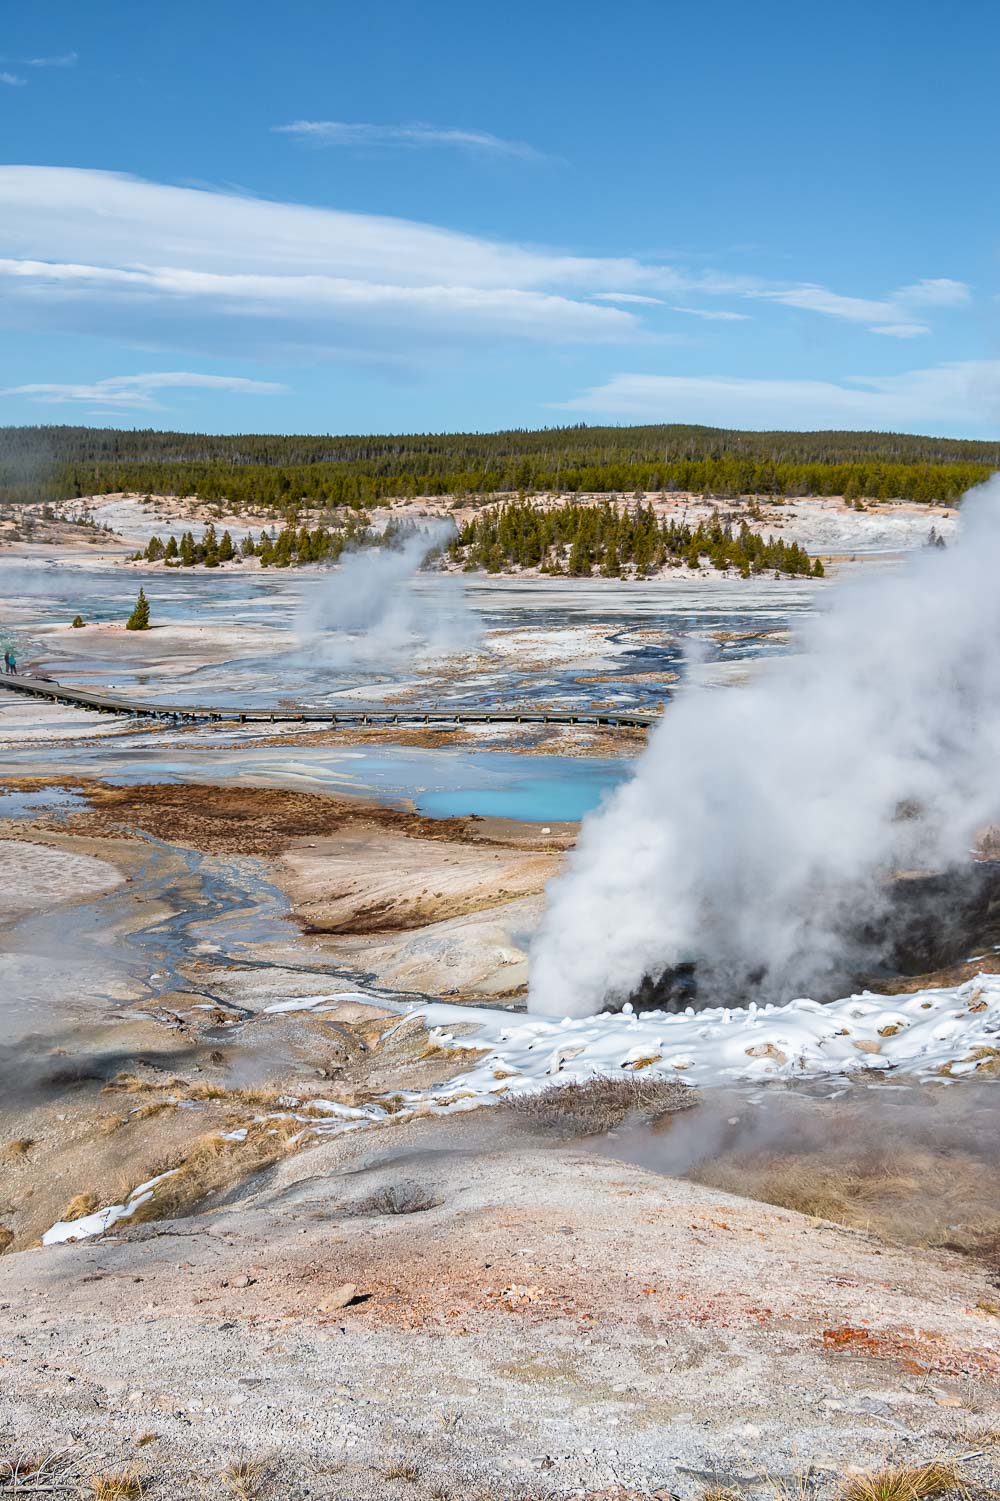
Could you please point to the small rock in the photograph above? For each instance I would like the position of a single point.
(340, 1298)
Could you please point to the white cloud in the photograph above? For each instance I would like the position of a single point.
(134, 392)
(955, 397)
(215, 270)
(344, 133)
(486, 311)
(625, 297)
(64, 60)
(146, 247)
(937, 291)
(889, 315)
(900, 330)
(714, 315)
(13, 80)
(817, 299)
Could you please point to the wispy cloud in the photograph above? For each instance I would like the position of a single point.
(64, 60)
(626, 297)
(13, 80)
(817, 299)
(936, 291)
(956, 397)
(900, 330)
(135, 392)
(713, 315)
(231, 276)
(345, 133)
(177, 259)
(888, 315)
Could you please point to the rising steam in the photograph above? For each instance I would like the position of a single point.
(758, 832)
(371, 611)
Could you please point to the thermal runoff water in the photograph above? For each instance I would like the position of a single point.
(759, 835)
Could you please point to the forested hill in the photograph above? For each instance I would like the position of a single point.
(260, 470)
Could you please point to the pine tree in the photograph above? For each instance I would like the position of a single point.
(139, 618)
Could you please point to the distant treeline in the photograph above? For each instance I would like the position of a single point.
(274, 473)
(579, 539)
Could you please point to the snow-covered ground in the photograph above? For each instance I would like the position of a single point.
(931, 1032)
(944, 1034)
(823, 525)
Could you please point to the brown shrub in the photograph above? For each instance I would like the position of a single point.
(598, 1105)
(396, 1198)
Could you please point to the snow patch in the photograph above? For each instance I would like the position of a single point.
(64, 1231)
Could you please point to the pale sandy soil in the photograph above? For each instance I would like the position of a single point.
(35, 877)
(557, 1324)
(369, 882)
(172, 649)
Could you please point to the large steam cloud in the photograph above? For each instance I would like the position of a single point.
(371, 612)
(757, 835)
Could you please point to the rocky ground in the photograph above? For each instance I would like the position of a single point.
(543, 1322)
(468, 1306)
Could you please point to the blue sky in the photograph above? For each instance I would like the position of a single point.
(387, 217)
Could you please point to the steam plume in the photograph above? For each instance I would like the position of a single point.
(757, 833)
(370, 611)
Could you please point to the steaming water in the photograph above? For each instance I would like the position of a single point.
(758, 832)
(594, 629)
(645, 626)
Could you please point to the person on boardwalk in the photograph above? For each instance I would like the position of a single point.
(10, 662)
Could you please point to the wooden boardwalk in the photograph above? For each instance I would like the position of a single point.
(106, 703)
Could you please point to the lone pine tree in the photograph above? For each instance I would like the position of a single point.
(139, 618)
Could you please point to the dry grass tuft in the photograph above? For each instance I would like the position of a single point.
(20, 1147)
(132, 1084)
(79, 1205)
(153, 1109)
(18, 1467)
(601, 1104)
(177, 1090)
(402, 1470)
(902, 1483)
(244, 1477)
(397, 1198)
(6, 1238)
(213, 1164)
(116, 1485)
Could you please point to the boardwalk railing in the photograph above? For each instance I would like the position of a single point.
(105, 703)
